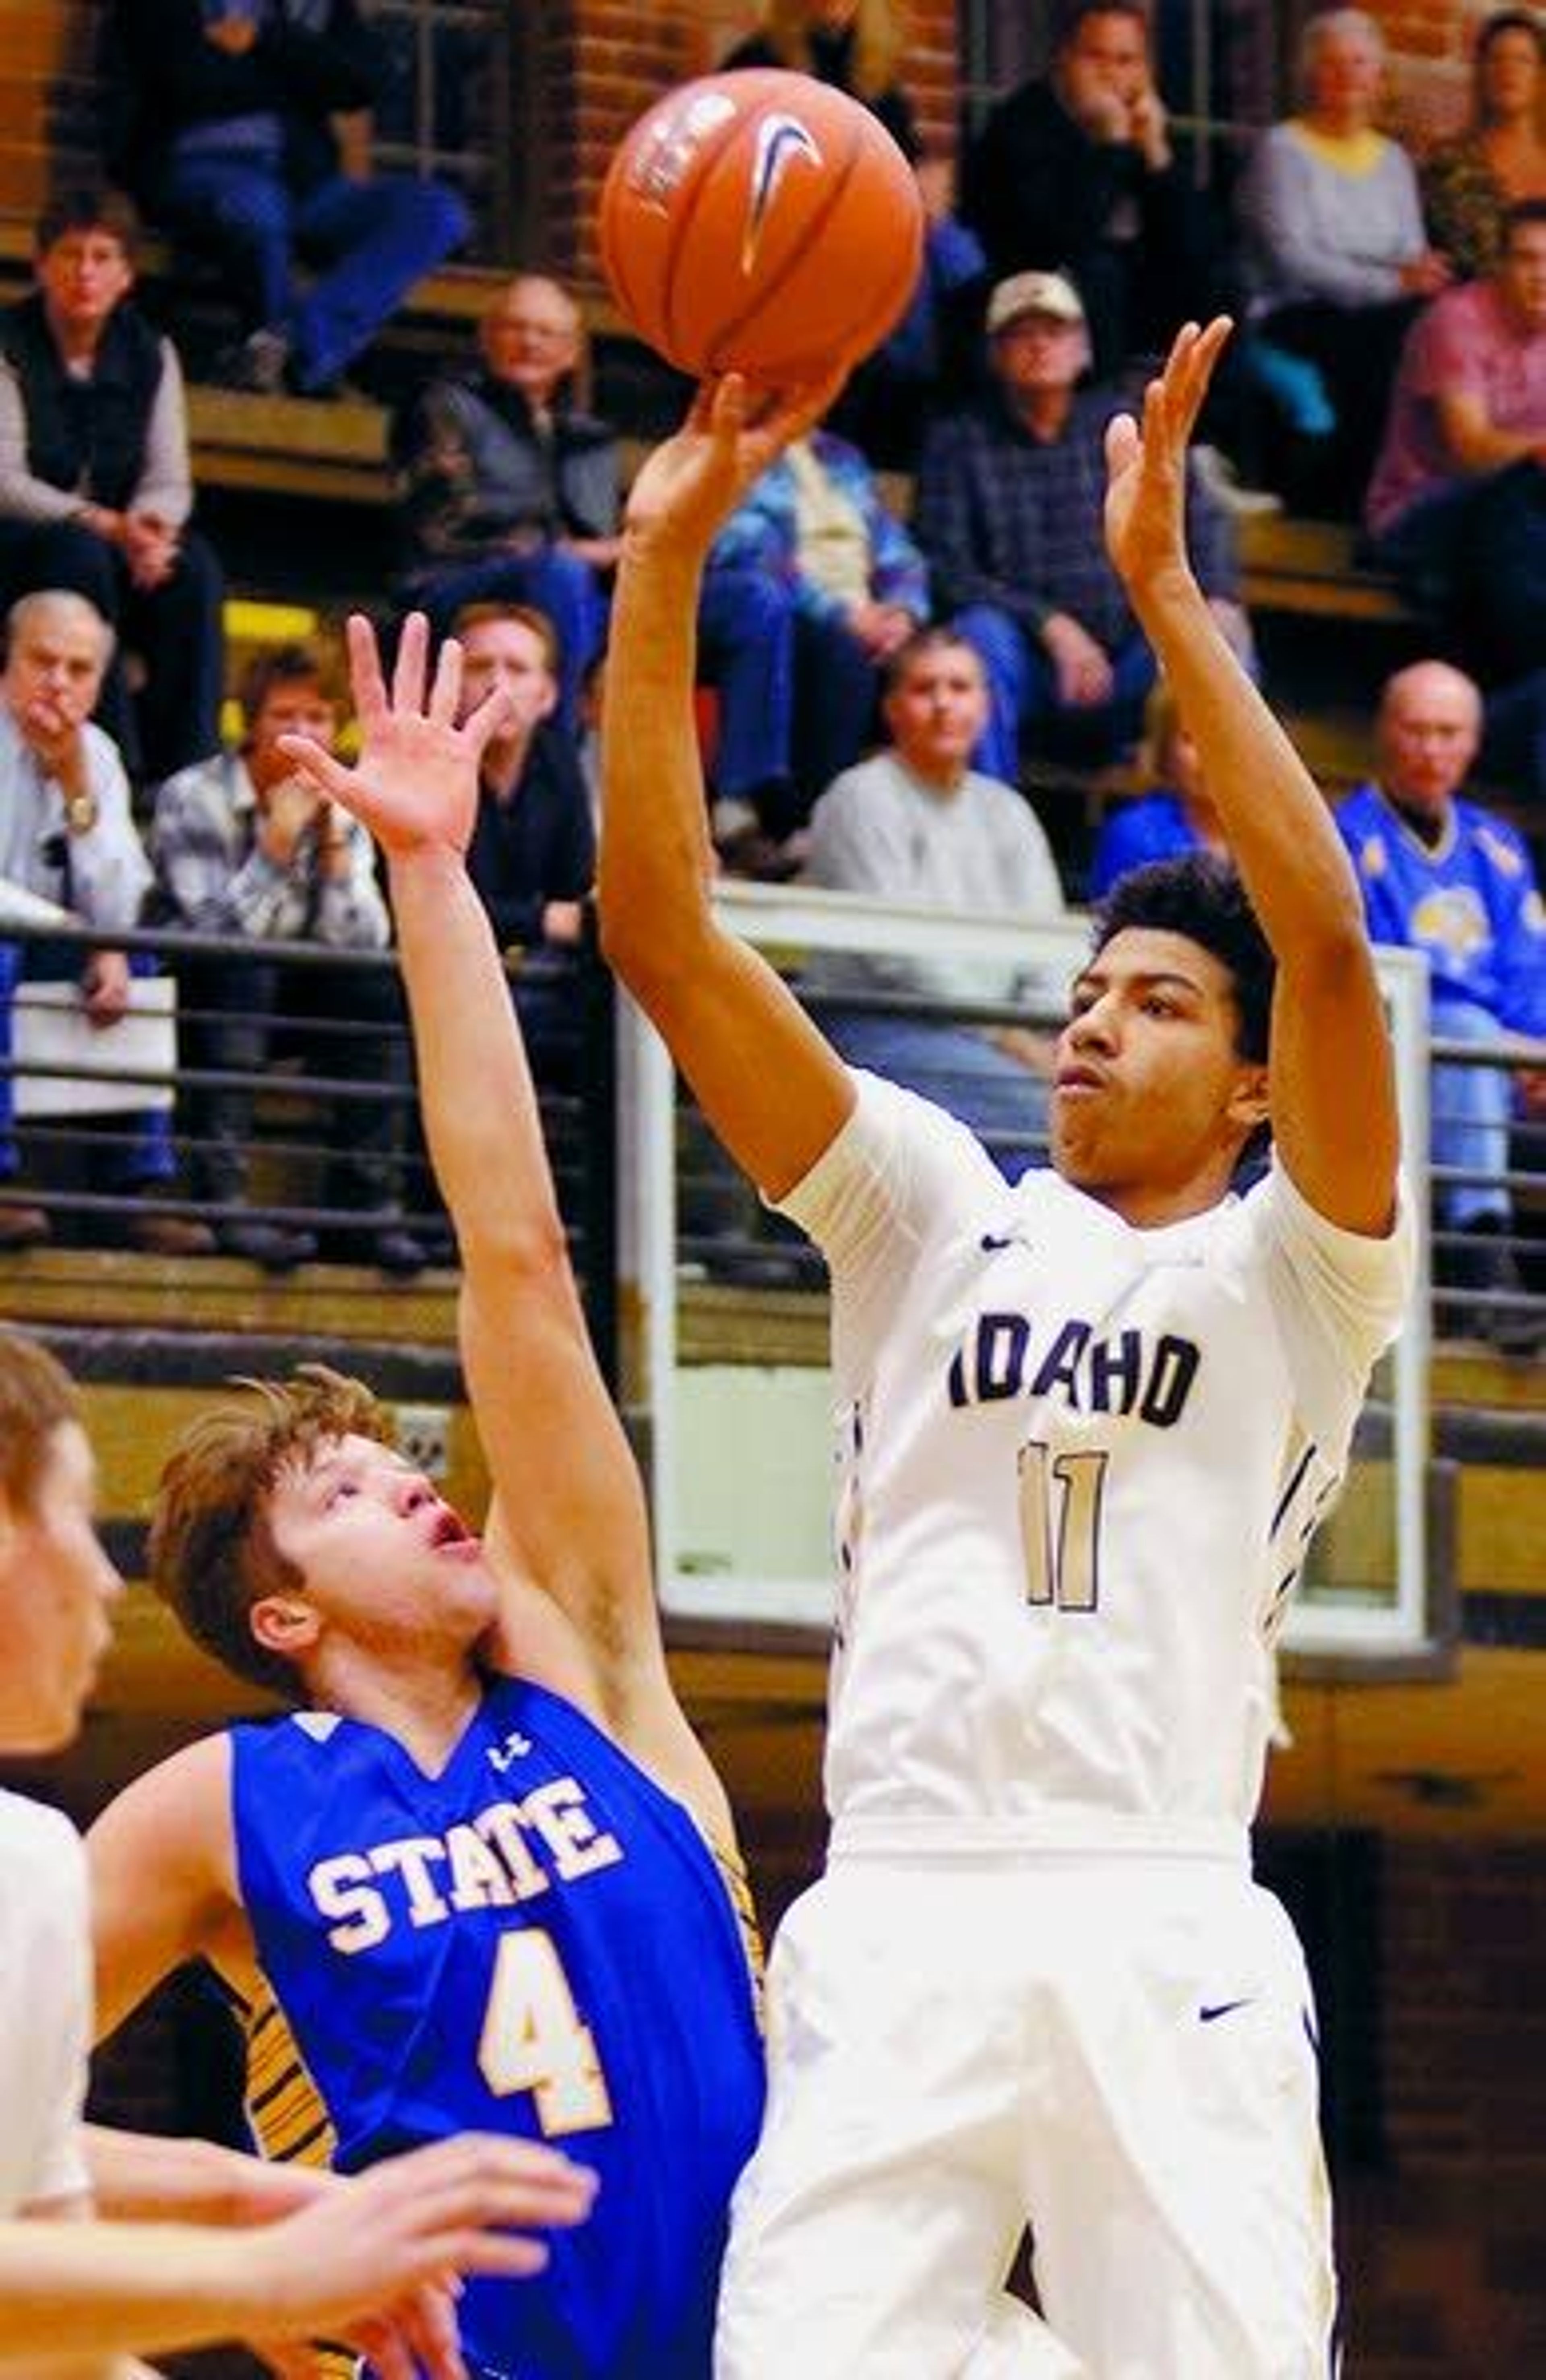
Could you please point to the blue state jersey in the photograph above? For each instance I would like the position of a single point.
(537, 1941)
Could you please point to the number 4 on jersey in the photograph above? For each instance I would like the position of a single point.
(1060, 1525)
(534, 2038)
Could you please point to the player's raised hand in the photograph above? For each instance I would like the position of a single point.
(1146, 466)
(735, 430)
(415, 783)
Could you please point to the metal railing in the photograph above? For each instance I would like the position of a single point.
(312, 1129)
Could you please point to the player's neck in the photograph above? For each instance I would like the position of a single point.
(1153, 1205)
(425, 1708)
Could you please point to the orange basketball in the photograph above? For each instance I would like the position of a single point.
(761, 222)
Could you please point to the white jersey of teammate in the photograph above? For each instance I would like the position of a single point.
(45, 1970)
(1081, 1464)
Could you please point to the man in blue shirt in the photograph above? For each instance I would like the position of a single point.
(1443, 876)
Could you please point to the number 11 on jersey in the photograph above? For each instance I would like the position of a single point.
(1060, 1525)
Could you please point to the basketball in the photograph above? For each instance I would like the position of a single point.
(761, 222)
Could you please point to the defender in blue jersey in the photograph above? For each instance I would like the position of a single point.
(484, 1874)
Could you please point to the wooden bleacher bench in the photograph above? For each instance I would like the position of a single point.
(1310, 568)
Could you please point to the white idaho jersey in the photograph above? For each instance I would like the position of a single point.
(1079, 1464)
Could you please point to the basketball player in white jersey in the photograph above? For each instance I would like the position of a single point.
(1088, 1424)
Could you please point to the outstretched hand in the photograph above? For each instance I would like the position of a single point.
(415, 783)
(690, 485)
(1145, 468)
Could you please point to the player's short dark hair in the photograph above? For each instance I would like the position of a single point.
(85, 210)
(1201, 896)
(1523, 211)
(212, 1554)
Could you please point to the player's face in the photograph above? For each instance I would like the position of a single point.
(1428, 733)
(937, 710)
(1150, 1096)
(384, 1560)
(1522, 275)
(56, 1588)
(82, 276)
(531, 338)
(511, 656)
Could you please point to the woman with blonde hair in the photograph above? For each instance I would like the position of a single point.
(1469, 183)
(854, 45)
(1177, 815)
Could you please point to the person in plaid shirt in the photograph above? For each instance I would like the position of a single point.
(1009, 514)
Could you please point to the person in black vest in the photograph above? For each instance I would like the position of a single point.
(95, 485)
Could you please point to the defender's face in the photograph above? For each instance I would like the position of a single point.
(383, 1559)
(56, 1590)
(1149, 1091)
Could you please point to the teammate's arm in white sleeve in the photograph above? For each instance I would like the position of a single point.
(772, 1087)
(1333, 1093)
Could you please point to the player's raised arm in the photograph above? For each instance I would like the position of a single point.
(570, 1506)
(768, 1084)
(1333, 1089)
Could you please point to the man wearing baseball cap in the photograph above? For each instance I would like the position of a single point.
(1010, 499)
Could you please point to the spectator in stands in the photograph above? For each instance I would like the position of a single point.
(1336, 257)
(1471, 184)
(244, 850)
(1010, 500)
(1078, 172)
(854, 45)
(68, 849)
(830, 572)
(1446, 877)
(857, 46)
(532, 857)
(509, 487)
(230, 141)
(1457, 505)
(96, 484)
(1178, 814)
(915, 823)
(927, 364)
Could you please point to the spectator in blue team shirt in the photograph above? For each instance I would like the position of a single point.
(1010, 506)
(833, 579)
(1443, 876)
